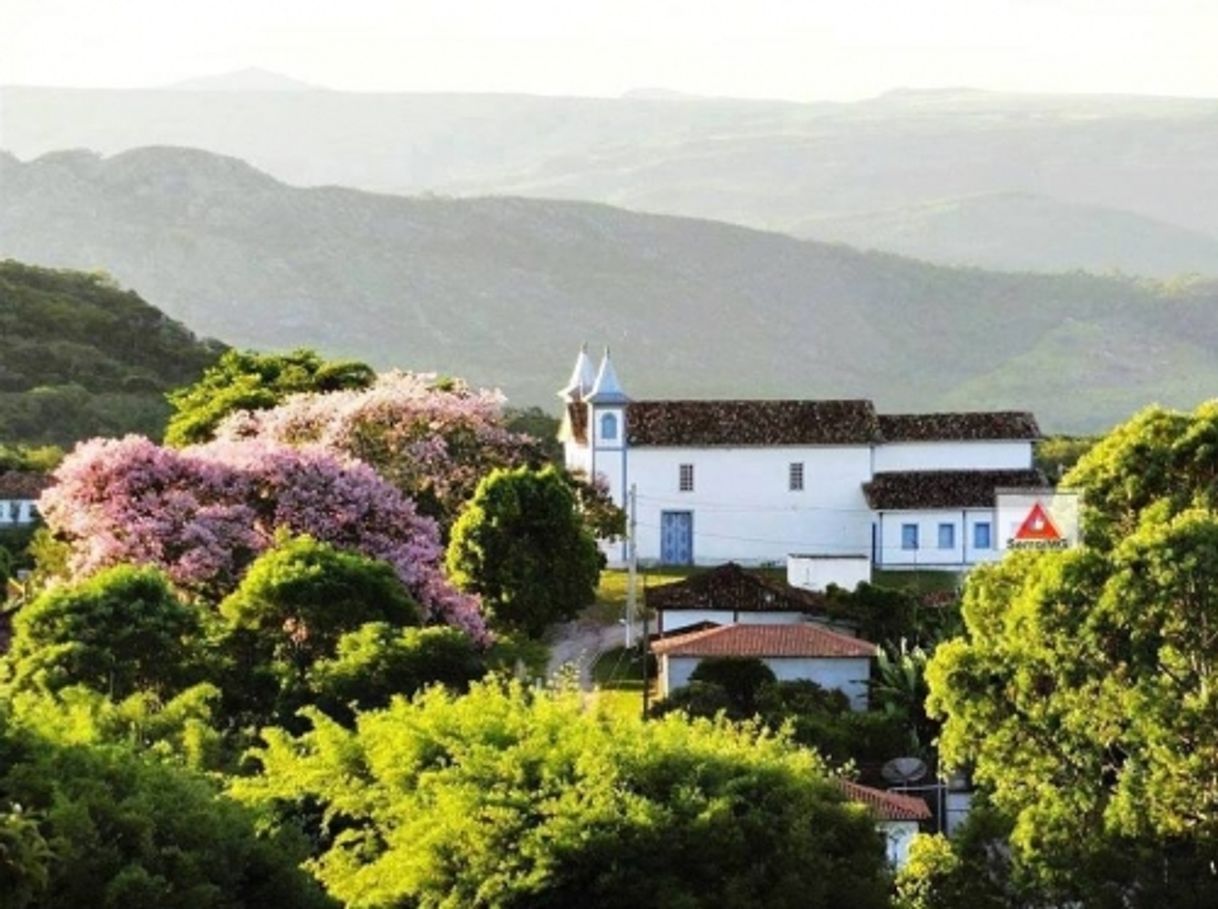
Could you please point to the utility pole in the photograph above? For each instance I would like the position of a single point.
(646, 642)
(632, 563)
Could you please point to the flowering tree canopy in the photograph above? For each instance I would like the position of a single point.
(433, 438)
(203, 514)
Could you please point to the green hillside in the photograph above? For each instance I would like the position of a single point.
(503, 290)
(81, 356)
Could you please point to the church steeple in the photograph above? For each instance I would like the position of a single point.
(583, 376)
(606, 389)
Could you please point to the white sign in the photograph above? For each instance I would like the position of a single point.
(1039, 518)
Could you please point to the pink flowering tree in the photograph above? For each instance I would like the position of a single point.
(432, 438)
(203, 514)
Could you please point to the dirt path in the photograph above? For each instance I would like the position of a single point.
(579, 643)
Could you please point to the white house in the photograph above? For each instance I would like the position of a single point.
(754, 481)
(19, 492)
(898, 816)
(794, 652)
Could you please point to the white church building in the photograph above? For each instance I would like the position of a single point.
(758, 481)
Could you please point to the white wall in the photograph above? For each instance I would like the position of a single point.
(672, 619)
(1007, 455)
(742, 507)
(17, 511)
(849, 675)
(898, 836)
(817, 573)
(928, 555)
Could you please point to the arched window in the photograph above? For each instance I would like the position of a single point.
(609, 426)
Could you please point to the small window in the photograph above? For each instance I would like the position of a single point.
(947, 536)
(609, 427)
(685, 478)
(795, 476)
(909, 536)
(981, 535)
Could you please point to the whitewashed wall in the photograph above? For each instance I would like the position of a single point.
(898, 836)
(818, 572)
(1006, 455)
(742, 507)
(17, 511)
(929, 555)
(848, 675)
(672, 619)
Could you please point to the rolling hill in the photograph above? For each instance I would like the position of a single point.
(83, 357)
(772, 165)
(502, 290)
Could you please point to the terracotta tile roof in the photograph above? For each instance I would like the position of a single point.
(963, 426)
(887, 806)
(708, 423)
(731, 587)
(797, 640)
(23, 484)
(912, 489)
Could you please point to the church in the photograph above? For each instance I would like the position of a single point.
(828, 487)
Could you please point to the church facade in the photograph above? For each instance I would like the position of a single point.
(758, 481)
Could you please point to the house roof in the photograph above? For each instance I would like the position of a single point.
(606, 389)
(797, 640)
(906, 490)
(958, 427)
(730, 587)
(887, 806)
(741, 423)
(23, 484)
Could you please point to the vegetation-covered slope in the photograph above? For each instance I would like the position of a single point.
(767, 164)
(81, 356)
(503, 290)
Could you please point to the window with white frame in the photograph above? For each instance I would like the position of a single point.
(947, 536)
(685, 477)
(795, 476)
(609, 427)
(909, 536)
(981, 535)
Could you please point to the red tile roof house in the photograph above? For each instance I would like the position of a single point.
(897, 816)
(793, 652)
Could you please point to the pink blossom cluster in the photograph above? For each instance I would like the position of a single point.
(434, 439)
(204, 513)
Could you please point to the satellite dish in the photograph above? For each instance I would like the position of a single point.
(904, 770)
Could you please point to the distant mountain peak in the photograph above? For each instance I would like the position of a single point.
(250, 79)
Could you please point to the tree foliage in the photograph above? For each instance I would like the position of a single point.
(93, 825)
(510, 798)
(521, 546)
(434, 438)
(122, 631)
(248, 381)
(203, 514)
(1083, 692)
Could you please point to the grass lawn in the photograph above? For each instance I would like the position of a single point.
(618, 677)
(918, 581)
(610, 603)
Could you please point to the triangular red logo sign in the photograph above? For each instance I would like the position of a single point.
(1038, 526)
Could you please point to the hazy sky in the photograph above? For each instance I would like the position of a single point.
(758, 48)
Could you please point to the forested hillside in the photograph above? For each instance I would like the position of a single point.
(82, 356)
(503, 290)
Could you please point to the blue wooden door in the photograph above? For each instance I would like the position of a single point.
(677, 537)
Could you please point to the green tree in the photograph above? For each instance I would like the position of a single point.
(507, 797)
(292, 608)
(1083, 690)
(379, 660)
(123, 630)
(741, 679)
(246, 380)
(102, 827)
(522, 545)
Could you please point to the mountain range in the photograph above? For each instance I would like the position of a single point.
(1040, 182)
(503, 290)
